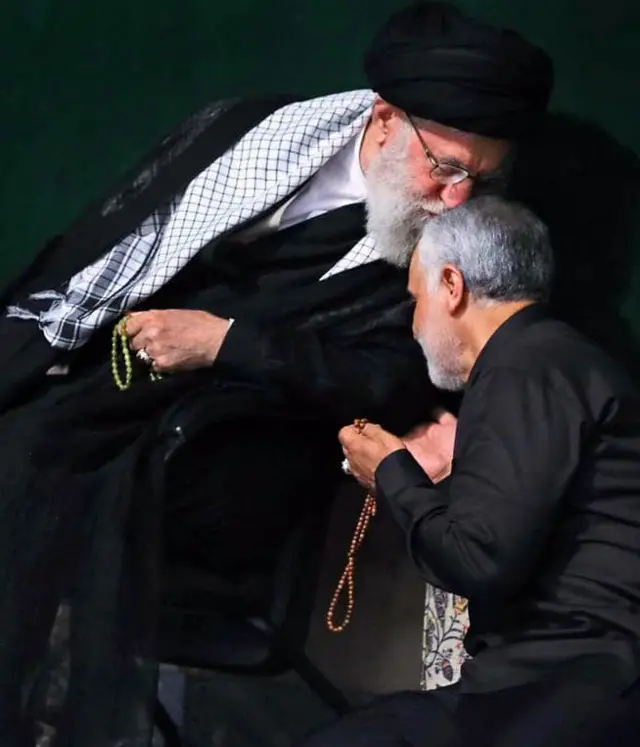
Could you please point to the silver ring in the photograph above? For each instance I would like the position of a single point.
(144, 357)
(346, 468)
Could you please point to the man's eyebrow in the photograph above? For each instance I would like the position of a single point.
(449, 161)
(494, 175)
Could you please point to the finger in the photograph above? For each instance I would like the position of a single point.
(442, 416)
(369, 426)
(347, 435)
(133, 323)
(392, 443)
(149, 334)
(368, 431)
(377, 433)
(160, 365)
(140, 340)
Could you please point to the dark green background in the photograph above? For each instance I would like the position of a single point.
(86, 87)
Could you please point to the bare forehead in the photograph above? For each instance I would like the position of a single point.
(415, 274)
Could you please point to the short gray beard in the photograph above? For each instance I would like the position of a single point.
(443, 353)
(396, 214)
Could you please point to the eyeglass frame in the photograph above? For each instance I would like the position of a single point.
(436, 164)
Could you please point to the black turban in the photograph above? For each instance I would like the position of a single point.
(433, 62)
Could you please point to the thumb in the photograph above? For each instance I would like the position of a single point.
(444, 417)
(371, 430)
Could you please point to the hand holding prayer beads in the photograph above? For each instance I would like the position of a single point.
(351, 435)
(365, 445)
(122, 360)
(177, 339)
(165, 341)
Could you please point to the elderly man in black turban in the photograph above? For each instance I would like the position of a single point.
(245, 281)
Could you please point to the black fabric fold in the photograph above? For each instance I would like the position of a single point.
(82, 481)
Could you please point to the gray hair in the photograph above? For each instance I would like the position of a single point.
(501, 248)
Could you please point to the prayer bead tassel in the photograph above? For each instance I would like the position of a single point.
(347, 582)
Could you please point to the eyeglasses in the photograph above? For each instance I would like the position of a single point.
(443, 173)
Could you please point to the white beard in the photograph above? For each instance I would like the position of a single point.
(396, 214)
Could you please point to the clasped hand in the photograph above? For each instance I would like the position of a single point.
(430, 444)
(177, 339)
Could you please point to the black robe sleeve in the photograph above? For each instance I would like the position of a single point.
(379, 374)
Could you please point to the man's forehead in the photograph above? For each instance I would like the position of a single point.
(415, 274)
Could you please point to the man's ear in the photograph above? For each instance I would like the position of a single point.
(455, 289)
(384, 118)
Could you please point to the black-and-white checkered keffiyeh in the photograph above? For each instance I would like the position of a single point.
(265, 166)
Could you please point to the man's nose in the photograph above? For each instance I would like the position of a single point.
(455, 194)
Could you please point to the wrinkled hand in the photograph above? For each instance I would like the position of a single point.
(177, 339)
(431, 445)
(364, 451)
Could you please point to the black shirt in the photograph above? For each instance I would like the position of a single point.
(539, 522)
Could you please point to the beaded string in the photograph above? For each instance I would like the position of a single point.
(347, 582)
(120, 349)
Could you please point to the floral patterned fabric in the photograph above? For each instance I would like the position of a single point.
(445, 623)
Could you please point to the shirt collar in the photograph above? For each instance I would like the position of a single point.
(356, 174)
(508, 330)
